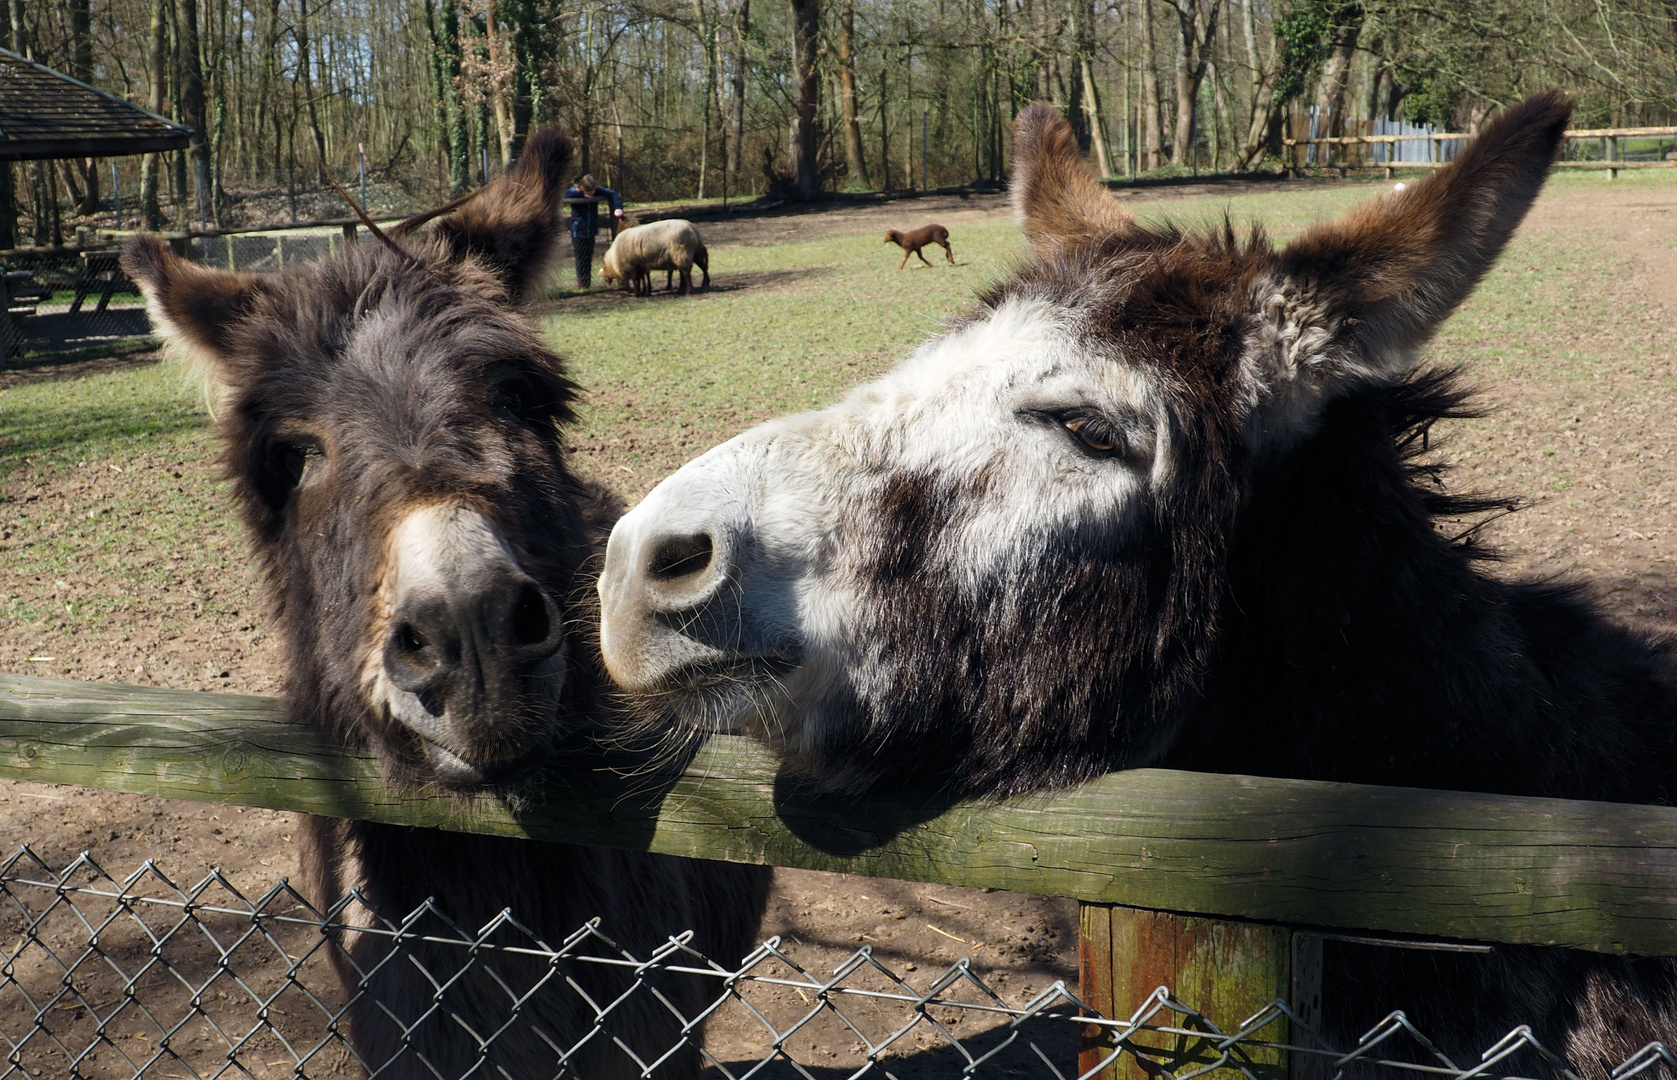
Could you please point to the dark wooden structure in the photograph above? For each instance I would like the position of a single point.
(47, 114)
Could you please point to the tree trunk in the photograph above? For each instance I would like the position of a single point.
(1071, 86)
(17, 41)
(885, 127)
(1197, 23)
(176, 159)
(151, 213)
(494, 40)
(81, 67)
(1218, 131)
(806, 27)
(1330, 92)
(1097, 136)
(1262, 77)
(267, 94)
(459, 145)
(742, 60)
(67, 172)
(856, 165)
(190, 80)
(1151, 107)
(301, 31)
(439, 84)
(20, 43)
(8, 207)
(219, 65)
(707, 41)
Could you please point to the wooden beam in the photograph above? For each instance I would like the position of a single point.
(99, 146)
(1442, 864)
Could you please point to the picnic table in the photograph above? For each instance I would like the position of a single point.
(33, 277)
(29, 286)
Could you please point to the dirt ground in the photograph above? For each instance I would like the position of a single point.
(1614, 525)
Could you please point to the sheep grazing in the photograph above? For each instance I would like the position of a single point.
(912, 242)
(672, 246)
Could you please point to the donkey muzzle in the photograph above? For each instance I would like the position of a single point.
(473, 660)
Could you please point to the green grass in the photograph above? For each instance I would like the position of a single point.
(807, 321)
(111, 415)
(791, 327)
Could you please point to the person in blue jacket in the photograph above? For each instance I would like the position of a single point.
(584, 198)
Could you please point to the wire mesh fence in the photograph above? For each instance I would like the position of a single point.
(78, 300)
(266, 252)
(65, 299)
(142, 976)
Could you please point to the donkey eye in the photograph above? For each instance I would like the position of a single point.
(1096, 433)
(513, 396)
(295, 460)
(522, 400)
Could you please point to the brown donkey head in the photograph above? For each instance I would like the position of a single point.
(391, 424)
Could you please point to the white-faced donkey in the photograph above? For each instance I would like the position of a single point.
(1157, 502)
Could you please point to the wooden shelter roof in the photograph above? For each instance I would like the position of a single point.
(47, 114)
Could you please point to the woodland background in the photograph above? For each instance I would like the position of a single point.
(705, 98)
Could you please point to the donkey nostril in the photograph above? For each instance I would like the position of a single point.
(530, 624)
(677, 557)
(432, 702)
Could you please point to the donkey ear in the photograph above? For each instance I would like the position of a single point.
(513, 224)
(1056, 198)
(193, 308)
(1358, 297)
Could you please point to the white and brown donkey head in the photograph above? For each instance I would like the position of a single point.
(391, 424)
(1001, 564)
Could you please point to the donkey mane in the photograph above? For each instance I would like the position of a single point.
(1344, 582)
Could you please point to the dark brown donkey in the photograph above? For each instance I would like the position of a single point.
(391, 421)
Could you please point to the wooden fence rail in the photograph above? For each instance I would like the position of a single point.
(1611, 159)
(1596, 876)
(1220, 887)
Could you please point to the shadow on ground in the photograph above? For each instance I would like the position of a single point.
(1003, 1052)
(569, 300)
(25, 434)
(57, 365)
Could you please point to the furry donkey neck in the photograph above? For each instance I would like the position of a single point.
(1360, 640)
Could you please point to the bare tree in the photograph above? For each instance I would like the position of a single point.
(742, 63)
(806, 26)
(1152, 109)
(1197, 27)
(151, 212)
(855, 165)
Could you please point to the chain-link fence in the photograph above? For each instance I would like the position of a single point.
(78, 301)
(68, 299)
(145, 977)
(267, 252)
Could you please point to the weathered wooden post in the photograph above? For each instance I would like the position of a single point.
(10, 339)
(1228, 971)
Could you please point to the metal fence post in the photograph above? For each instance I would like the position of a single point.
(1228, 970)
